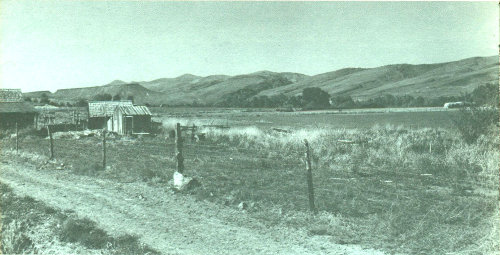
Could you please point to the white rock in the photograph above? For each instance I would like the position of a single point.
(180, 181)
(243, 206)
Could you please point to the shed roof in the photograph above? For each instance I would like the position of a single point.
(11, 95)
(16, 107)
(105, 108)
(134, 110)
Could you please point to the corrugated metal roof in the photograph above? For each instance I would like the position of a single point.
(11, 95)
(105, 108)
(16, 107)
(134, 110)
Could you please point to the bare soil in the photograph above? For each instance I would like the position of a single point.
(168, 222)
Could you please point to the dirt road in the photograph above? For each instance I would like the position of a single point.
(170, 223)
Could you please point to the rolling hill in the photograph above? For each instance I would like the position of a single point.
(426, 80)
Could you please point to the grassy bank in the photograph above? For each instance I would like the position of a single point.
(31, 227)
(419, 191)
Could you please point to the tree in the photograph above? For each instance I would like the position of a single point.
(117, 97)
(343, 102)
(103, 97)
(81, 103)
(44, 99)
(131, 98)
(485, 95)
(315, 98)
(294, 101)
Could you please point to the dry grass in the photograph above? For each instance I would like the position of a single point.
(387, 190)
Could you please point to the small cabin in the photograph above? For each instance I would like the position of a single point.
(101, 113)
(129, 120)
(14, 110)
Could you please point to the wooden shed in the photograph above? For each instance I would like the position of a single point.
(128, 120)
(101, 113)
(14, 110)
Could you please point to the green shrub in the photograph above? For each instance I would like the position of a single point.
(475, 121)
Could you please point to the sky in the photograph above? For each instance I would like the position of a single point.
(49, 45)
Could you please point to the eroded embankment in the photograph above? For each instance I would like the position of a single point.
(30, 227)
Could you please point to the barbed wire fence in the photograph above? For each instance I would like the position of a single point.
(310, 183)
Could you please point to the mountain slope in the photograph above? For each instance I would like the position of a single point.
(212, 89)
(428, 80)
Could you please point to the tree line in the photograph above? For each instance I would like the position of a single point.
(44, 99)
(316, 98)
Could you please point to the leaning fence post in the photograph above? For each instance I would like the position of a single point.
(178, 148)
(104, 149)
(51, 142)
(17, 139)
(310, 186)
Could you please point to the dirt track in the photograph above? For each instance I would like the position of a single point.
(167, 222)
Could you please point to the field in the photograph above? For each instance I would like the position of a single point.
(399, 182)
(431, 117)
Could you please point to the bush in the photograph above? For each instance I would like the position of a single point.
(85, 232)
(475, 121)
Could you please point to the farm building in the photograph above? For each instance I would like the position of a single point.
(14, 110)
(101, 113)
(456, 104)
(131, 120)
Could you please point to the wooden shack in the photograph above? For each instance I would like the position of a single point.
(101, 112)
(14, 110)
(128, 120)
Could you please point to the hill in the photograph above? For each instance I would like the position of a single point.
(427, 80)
(141, 95)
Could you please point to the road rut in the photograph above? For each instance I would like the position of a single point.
(170, 223)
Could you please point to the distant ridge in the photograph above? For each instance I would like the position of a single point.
(141, 94)
(116, 82)
(426, 80)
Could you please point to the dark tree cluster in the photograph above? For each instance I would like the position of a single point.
(103, 97)
(245, 97)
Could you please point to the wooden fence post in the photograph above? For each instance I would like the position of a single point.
(104, 149)
(17, 139)
(178, 148)
(310, 186)
(430, 147)
(192, 133)
(51, 142)
(75, 122)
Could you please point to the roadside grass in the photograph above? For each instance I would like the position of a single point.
(418, 191)
(29, 225)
